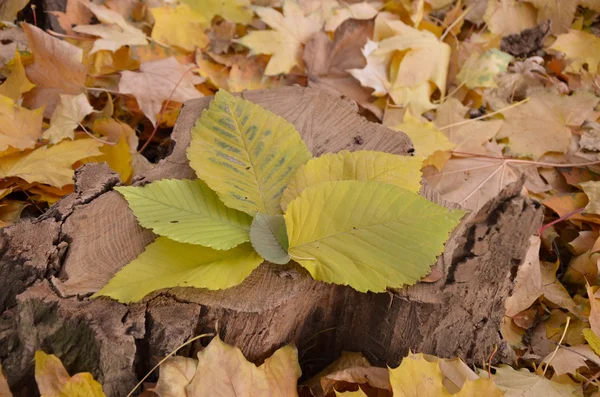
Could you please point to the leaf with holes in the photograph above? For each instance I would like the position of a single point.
(366, 234)
(166, 263)
(189, 212)
(402, 171)
(245, 153)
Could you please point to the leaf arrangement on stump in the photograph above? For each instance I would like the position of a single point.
(350, 218)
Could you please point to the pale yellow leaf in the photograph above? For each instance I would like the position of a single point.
(10, 8)
(560, 12)
(238, 11)
(505, 17)
(581, 48)
(528, 284)
(17, 82)
(223, 371)
(523, 383)
(543, 124)
(50, 165)
(20, 128)
(179, 26)
(114, 31)
(290, 31)
(67, 117)
(57, 68)
(175, 374)
(156, 82)
(343, 12)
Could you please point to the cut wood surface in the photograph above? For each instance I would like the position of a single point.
(51, 265)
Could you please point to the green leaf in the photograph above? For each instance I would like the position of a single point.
(366, 234)
(245, 153)
(403, 171)
(189, 212)
(166, 263)
(269, 238)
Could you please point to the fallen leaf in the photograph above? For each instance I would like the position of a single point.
(568, 360)
(543, 124)
(114, 31)
(179, 26)
(118, 156)
(521, 383)
(343, 12)
(56, 69)
(238, 11)
(10, 8)
(51, 165)
(223, 370)
(76, 13)
(156, 82)
(290, 31)
(54, 381)
(560, 12)
(528, 284)
(20, 128)
(594, 317)
(17, 82)
(426, 139)
(175, 375)
(505, 17)
(592, 339)
(67, 117)
(581, 48)
(10, 211)
(481, 69)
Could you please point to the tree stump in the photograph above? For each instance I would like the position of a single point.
(51, 265)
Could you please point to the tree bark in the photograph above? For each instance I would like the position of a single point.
(51, 265)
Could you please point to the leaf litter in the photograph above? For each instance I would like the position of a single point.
(489, 91)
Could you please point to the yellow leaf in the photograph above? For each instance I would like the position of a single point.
(223, 370)
(560, 12)
(50, 165)
(238, 11)
(358, 393)
(114, 31)
(480, 70)
(543, 124)
(20, 128)
(180, 26)
(56, 69)
(54, 381)
(10, 211)
(106, 62)
(17, 82)
(426, 139)
(245, 153)
(506, 17)
(290, 31)
(417, 377)
(402, 171)
(156, 82)
(67, 117)
(117, 156)
(10, 9)
(581, 48)
(592, 339)
(343, 12)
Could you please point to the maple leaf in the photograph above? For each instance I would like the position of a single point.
(567, 360)
(543, 124)
(560, 12)
(19, 127)
(17, 82)
(76, 13)
(53, 379)
(505, 17)
(342, 12)
(67, 116)
(480, 69)
(290, 31)
(180, 26)
(238, 11)
(114, 31)
(412, 80)
(50, 165)
(56, 69)
(156, 82)
(581, 48)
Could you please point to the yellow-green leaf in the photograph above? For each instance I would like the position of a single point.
(402, 171)
(592, 340)
(245, 153)
(366, 234)
(166, 263)
(189, 212)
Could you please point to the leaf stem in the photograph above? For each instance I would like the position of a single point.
(558, 346)
(562, 218)
(485, 115)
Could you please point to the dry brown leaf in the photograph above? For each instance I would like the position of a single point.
(76, 13)
(56, 69)
(20, 128)
(528, 284)
(4, 389)
(560, 12)
(158, 81)
(568, 360)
